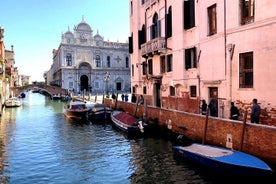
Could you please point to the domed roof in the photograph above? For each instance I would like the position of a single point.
(83, 26)
(69, 34)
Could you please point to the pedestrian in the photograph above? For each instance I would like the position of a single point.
(255, 112)
(122, 96)
(234, 112)
(141, 100)
(133, 98)
(213, 107)
(113, 96)
(126, 97)
(203, 107)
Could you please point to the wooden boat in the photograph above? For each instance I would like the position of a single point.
(127, 123)
(224, 160)
(98, 112)
(76, 110)
(13, 102)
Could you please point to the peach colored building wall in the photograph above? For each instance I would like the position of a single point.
(217, 74)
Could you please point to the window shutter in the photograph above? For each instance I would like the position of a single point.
(130, 42)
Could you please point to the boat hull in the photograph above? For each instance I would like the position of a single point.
(99, 112)
(76, 110)
(126, 123)
(13, 102)
(224, 160)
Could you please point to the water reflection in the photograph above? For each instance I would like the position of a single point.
(40, 145)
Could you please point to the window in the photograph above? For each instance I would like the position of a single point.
(141, 36)
(98, 61)
(247, 11)
(130, 43)
(193, 91)
(246, 70)
(150, 66)
(155, 27)
(189, 14)
(172, 91)
(144, 90)
(71, 85)
(144, 64)
(162, 64)
(169, 63)
(166, 65)
(169, 23)
(127, 62)
(68, 59)
(212, 19)
(108, 61)
(132, 70)
(190, 58)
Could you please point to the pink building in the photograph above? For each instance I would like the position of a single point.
(185, 51)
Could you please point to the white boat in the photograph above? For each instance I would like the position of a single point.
(13, 102)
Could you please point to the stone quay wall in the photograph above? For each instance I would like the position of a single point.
(255, 139)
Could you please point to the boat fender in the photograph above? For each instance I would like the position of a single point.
(140, 125)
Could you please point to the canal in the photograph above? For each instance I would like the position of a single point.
(40, 146)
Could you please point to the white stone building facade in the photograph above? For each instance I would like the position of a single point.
(86, 63)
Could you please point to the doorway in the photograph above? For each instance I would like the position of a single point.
(156, 94)
(213, 96)
(84, 83)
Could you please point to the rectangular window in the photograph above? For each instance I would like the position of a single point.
(247, 11)
(150, 66)
(130, 44)
(189, 14)
(172, 91)
(132, 70)
(246, 70)
(190, 58)
(144, 64)
(169, 62)
(71, 85)
(212, 19)
(96, 85)
(193, 91)
(144, 90)
(162, 64)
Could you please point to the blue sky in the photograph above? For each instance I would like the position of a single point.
(34, 27)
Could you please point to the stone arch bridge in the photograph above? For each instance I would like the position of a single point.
(49, 90)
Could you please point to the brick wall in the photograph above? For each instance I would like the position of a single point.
(258, 140)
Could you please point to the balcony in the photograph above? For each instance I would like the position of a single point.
(148, 3)
(155, 46)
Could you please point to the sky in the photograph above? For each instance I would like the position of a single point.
(34, 27)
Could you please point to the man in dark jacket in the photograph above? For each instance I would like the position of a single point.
(255, 112)
(234, 112)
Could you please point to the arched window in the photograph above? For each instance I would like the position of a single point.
(127, 62)
(155, 27)
(108, 61)
(68, 59)
(98, 61)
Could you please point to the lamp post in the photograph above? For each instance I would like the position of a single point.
(106, 79)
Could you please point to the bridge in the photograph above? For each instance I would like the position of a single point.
(49, 90)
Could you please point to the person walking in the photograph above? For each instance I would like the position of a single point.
(203, 107)
(133, 98)
(213, 108)
(255, 112)
(234, 112)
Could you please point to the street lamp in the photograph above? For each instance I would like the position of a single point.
(106, 79)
